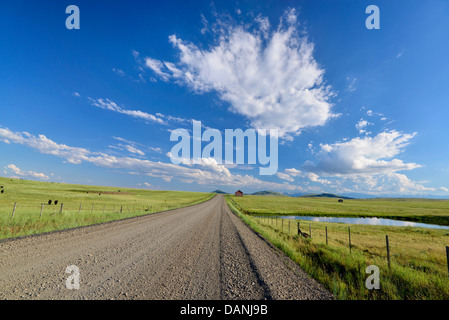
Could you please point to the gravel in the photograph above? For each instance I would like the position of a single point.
(202, 252)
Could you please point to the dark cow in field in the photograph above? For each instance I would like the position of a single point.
(305, 235)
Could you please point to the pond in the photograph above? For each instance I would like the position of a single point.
(367, 221)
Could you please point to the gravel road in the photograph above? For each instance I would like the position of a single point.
(202, 252)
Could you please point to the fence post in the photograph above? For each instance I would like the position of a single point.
(121, 209)
(298, 227)
(326, 235)
(447, 256)
(60, 209)
(349, 232)
(42, 208)
(388, 251)
(14, 210)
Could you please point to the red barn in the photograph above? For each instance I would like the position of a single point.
(239, 193)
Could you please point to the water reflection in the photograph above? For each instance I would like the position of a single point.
(367, 221)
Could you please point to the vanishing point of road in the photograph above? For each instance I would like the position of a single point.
(201, 252)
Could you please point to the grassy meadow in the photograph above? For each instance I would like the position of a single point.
(82, 205)
(418, 264)
(431, 211)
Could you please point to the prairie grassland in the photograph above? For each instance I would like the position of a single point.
(417, 255)
(81, 205)
(431, 211)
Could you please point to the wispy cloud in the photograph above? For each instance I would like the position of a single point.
(352, 81)
(26, 174)
(292, 173)
(159, 118)
(371, 113)
(208, 172)
(46, 146)
(361, 125)
(118, 72)
(107, 104)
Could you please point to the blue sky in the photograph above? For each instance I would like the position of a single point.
(358, 110)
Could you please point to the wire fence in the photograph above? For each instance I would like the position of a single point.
(17, 209)
(430, 256)
(25, 218)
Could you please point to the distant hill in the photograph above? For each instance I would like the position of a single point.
(325, 195)
(269, 193)
(295, 194)
(220, 192)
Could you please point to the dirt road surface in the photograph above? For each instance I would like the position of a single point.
(200, 252)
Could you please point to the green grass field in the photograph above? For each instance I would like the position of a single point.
(82, 205)
(418, 266)
(417, 210)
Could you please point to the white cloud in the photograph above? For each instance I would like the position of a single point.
(44, 145)
(351, 83)
(285, 176)
(76, 94)
(362, 125)
(363, 155)
(206, 173)
(290, 174)
(128, 145)
(156, 149)
(386, 183)
(112, 106)
(119, 72)
(268, 75)
(294, 172)
(367, 164)
(157, 67)
(132, 149)
(316, 178)
(372, 113)
(27, 174)
(160, 118)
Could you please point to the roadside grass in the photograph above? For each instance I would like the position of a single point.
(418, 260)
(98, 204)
(433, 211)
